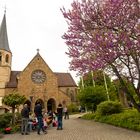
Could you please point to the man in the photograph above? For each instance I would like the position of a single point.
(25, 119)
(38, 113)
(66, 114)
(59, 116)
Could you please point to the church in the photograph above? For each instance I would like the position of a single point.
(36, 81)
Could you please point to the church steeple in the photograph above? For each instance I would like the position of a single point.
(4, 44)
(5, 55)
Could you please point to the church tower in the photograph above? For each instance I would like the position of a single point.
(5, 56)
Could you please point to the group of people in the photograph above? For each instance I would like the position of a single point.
(25, 112)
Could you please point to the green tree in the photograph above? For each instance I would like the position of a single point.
(105, 35)
(91, 96)
(13, 100)
(98, 78)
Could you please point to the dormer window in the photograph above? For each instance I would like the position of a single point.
(7, 58)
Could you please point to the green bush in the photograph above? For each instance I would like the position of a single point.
(89, 116)
(1, 130)
(17, 117)
(127, 119)
(5, 120)
(91, 96)
(109, 107)
(15, 128)
(72, 108)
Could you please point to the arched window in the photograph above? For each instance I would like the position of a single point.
(72, 96)
(0, 56)
(67, 91)
(7, 58)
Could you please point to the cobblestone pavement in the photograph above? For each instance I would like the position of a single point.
(78, 129)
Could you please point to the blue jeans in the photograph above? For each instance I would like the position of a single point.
(40, 124)
(24, 125)
(59, 118)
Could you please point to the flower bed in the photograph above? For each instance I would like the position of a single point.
(7, 130)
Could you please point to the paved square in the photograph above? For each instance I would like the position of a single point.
(78, 129)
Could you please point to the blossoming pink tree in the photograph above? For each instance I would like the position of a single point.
(105, 35)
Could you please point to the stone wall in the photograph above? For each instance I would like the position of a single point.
(43, 91)
(71, 92)
(5, 67)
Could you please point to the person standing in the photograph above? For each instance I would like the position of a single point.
(24, 120)
(39, 116)
(59, 116)
(66, 114)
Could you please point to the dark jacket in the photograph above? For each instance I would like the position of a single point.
(38, 110)
(60, 111)
(25, 112)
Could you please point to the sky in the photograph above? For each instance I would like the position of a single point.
(37, 24)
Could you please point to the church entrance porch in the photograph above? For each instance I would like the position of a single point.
(51, 105)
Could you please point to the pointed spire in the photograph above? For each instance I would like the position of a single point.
(4, 44)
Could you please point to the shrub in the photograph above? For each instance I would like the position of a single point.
(15, 128)
(127, 119)
(7, 130)
(89, 116)
(91, 96)
(109, 107)
(5, 120)
(72, 108)
(17, 117)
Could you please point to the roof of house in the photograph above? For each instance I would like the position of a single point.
(64, 80)
(13, 80)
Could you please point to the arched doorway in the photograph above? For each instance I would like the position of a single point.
(40, 101)
(51, 105)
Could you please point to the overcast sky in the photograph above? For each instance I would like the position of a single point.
(37, 24)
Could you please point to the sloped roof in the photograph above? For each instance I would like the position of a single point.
(4, 44)
(13, 80)
(64, 80)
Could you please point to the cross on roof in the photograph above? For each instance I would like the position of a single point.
(37, 50)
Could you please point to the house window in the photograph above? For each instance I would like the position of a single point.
(67, 91)
(7, 58)
(72, 96)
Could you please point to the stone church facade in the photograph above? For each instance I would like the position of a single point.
(37, 81)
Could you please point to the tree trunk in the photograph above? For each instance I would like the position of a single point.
(123, 98)
(13, 115)
(125, 89)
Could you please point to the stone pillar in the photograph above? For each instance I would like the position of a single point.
(45, 99)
